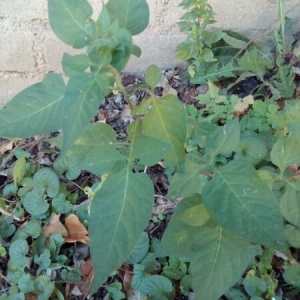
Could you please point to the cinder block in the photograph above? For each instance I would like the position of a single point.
(23, 9)
(12, 83)
(15, 48)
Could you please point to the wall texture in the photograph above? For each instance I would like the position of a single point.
(29, 49)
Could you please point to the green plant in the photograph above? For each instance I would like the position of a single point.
(233, 195)
(217, 54)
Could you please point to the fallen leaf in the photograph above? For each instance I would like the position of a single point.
(55, 226)
(127, 275)
(87, 274)
(243, 104)
(76, 231)
(31, 296)
(7, 146)
(126, 114)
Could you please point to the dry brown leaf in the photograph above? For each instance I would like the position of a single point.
(55, 226)
(31, 296)
(126, 114)
(127, 275)
(168, 90)
(87, 272)
(243, 104)
(76, 231)
(7, 146)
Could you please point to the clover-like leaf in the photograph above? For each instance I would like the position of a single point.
(67, 165)
(45, 179)
(35, 204)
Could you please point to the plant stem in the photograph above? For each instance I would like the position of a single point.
(120, 85)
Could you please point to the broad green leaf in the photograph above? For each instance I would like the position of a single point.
(238, 200)
(114, 290)
(286, 151)
(156, 286)
(136, 50)
(290, 205)
(17, 252)
(211, 37)
(225, 139)
(122, 53)
(10, 189)
(186, 180)
(96, 150)
(217, 256)
(153, 76)
(43, 286)
(186, 285)
(251, 149)
(195, 216)
(32, 229)
(148, 150)
(199, 131)
(291, 275)
(35, 204)
(73, 65)
(45, 179)
(142, 108)
(61, 205)
(175, 269)
(235, 294)
(103, 21)
(6, 226)
(140, 250)
(36, 110)
(292, 235)
(25, 284)
(71, 22)
(178, 236)
(19, 170)
(67, 165)
(43, 260)
(83, 96)
(166, 121)
(292, 113)
(234, 42)
(254, 286)
(123, 197)
(131, 14)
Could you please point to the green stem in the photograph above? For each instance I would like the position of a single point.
(120, 85)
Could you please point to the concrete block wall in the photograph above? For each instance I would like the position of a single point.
(29, 49)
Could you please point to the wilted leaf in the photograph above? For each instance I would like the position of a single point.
(55, 226)
(6, 146)
(87, 272)
(76, 231)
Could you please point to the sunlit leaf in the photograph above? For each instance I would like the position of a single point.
(123, 197)
(217, 255)
(36, 110)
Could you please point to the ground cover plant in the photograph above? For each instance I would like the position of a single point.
(231, 160)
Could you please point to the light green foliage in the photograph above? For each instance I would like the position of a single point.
(157, 286)
(232, 174)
